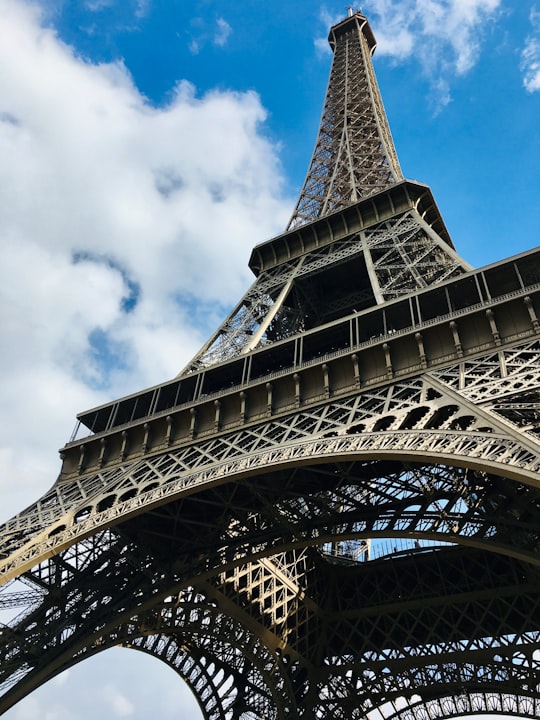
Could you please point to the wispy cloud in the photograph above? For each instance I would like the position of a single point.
(530, 57)
(440, 31)
(223, 32)
(217, 33)
(142, 8)
(97, 5)
(327, 20)
(444, 35)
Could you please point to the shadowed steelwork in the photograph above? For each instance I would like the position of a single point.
(334, 510)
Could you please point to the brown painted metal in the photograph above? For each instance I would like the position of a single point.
(334, 510)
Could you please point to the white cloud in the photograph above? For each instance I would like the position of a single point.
(204, 33)
(445, 35)
(530, 57)
(117, 702)
(125, 231)
(98, 5)
(327, 20)
(223, 32)
(142, 8)
(88, 692)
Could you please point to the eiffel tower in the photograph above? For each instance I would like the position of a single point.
(334, 510)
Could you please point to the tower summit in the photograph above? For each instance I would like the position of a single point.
(334, 511)
(320, 270)
(354, 154)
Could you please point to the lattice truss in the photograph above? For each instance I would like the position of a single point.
(224, 663)
(403, 253)
(408, 255)
(354, 154)
(292, 634)
(506, 383)
(251, 521)
(462, 704)
(423, 417)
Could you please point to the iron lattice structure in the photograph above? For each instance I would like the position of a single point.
(334, 510)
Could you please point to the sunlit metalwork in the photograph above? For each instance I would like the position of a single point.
(334, 510)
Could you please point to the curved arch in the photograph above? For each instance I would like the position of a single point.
(340, 691)
(181, 621)
(483, 452)
(215, 681)
(225, 664)
(472, 703)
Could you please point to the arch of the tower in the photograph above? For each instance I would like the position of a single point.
(231, 673)
(226, 665)
(217, 678)
(276, 543)
(334, 489)
(229, 670)
(343, 503)
(492, 703)
(475, 455)
(487, 426)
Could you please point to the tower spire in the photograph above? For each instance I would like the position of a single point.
(354, 154)
(360, 234)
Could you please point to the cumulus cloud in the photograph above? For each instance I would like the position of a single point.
(530, 57)
(125, 231)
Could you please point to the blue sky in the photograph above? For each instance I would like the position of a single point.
(453, 77)
(147, 145)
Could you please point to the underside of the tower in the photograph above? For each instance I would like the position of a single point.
(334, 510)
